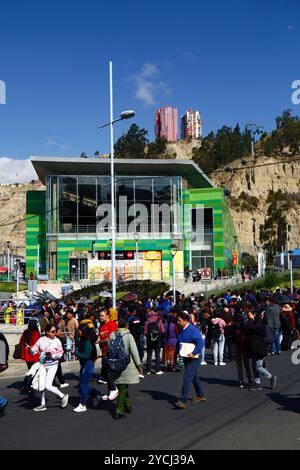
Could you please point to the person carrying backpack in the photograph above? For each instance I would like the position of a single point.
(258, 350)
(87, 356)
(218, 339)
(136, 324)
(154, 332)
(124, 364)
(4, 353)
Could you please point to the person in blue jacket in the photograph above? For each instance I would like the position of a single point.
(190, 334)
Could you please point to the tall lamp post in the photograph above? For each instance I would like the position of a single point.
(236, 256)
(18, 275)
(191, 237)
(8, 247)
(290, 252)
(136, 237)
(38, 256)
(173, 250)
(124, 115)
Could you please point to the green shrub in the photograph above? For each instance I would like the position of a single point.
(146, 287)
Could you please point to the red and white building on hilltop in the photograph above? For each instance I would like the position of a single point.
(191, 125)
(166, 123)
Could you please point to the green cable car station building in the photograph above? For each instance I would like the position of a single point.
(158, 203)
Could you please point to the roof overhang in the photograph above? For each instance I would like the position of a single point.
(46, 166)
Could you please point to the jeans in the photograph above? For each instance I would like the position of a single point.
(242, 356)
(276, 344)
(258, 370)
(86, 391)
(150, 350)
(218, 345)
(140, 343)
(191, 377)
(107, 376)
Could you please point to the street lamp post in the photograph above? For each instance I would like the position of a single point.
(191, 237)
(18, 275)
(136, 236)
(8, 247)
(124, 115)
(253, 128)
(290, 252)
(38, 256)
(173, 250)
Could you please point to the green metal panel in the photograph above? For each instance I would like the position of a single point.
(35, 227)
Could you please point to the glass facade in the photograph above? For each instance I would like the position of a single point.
(151, 206)
(203, 247)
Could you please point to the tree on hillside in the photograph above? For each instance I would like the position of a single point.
(158, 148)
(273, 232)
(133, 144)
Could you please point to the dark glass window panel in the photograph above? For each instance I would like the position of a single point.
(68, 204)
(87, 204)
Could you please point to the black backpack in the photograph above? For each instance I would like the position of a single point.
(136, 327)
(153, 332)
(215, 331)
(117, 357)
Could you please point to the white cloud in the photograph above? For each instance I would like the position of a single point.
(148, 87)
(16, 171)
(52, 142)
(148, 70)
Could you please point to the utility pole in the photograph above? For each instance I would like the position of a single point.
(288, 243)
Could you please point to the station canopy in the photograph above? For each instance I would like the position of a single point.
(189, 170)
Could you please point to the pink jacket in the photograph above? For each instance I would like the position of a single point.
(221, 322)
(46, 345)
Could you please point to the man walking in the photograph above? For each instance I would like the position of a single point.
(191, 335)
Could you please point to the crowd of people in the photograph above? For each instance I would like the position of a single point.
(242, 328)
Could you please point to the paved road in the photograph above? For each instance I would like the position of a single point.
(230, 418)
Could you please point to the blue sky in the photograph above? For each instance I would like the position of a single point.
(234, 61)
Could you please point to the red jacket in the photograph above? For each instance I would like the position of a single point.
(26, 356)
(104, 333)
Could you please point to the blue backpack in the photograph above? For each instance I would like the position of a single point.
(117, 357)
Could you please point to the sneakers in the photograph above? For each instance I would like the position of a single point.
(40, 408)
(273, 381)
(141, 376)
(113, 394)
(199, 399)
(203, 363)
(180, 405)
(80, 409)
(160, 372)
(255, 387)
(222, 364)
(64, 385)
(242, 384)
(216, 363)
(147, 373)
(97, 401)
(64, 401)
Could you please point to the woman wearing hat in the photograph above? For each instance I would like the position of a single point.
(288, 325)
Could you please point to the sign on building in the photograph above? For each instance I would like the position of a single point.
(206, 274)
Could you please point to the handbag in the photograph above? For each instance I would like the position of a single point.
(18, 352)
